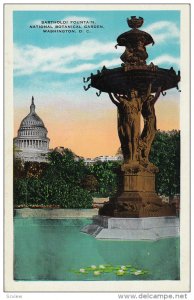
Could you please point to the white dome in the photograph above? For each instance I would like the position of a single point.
(32, 125)
(32, 137)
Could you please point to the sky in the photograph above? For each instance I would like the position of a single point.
(51, 67)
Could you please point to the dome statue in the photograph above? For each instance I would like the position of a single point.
(32, 143)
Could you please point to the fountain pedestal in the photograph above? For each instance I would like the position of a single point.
(137, 197)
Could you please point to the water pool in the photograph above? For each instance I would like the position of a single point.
(50, 249)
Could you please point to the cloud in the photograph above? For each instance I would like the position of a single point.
(162, 31)
(35, 22)
(76, 18)
(87, 67)
(167, 60)
(72, 59)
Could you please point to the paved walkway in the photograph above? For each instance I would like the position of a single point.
(55, 213)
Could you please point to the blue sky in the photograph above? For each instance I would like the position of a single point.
(59, 57)
(51, 67)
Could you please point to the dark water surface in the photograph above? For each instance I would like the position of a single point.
(46, 249)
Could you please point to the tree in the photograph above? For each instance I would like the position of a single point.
(57, 183)
(165, 154)
(106, 174)
(64, 167)
(35, 169)
(90, 183)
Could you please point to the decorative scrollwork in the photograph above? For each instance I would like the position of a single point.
(87, 88)
(86, 80)
(98, 93)
(163, 93)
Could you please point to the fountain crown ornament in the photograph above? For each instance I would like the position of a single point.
(135, 22)
(135, 35)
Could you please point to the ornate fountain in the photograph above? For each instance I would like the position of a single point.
(134, 88)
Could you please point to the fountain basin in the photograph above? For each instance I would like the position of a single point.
(119, 81)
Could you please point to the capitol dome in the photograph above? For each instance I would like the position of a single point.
(32, 143)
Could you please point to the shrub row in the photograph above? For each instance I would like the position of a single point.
(33, 191)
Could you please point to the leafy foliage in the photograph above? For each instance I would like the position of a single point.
(165, 154)
(64, 167)
(106, 174)
(34, 169)
(57, 183)
(90, 183)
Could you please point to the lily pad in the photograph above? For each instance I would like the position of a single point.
(118, 270)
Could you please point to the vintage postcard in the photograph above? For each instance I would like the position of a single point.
(97, 148)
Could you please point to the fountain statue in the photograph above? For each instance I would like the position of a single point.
(134, 88)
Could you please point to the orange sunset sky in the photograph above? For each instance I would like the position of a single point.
(93, 132)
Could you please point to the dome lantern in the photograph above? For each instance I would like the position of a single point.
(32, 106)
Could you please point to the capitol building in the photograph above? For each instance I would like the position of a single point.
(32, 143)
